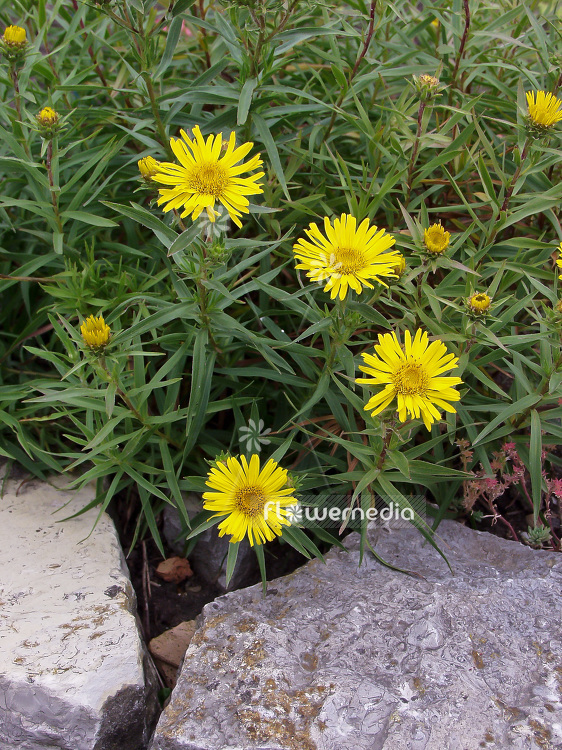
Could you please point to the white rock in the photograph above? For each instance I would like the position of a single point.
(72, 672)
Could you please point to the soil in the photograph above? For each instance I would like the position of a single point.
(163, 605)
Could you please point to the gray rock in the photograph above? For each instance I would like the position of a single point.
(72, 664)
(341, 657)
(208, 557)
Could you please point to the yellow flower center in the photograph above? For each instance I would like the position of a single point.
(250, 501)
(480, 301)
(436, 239)
(347, 260)
(428, 80)
(411, 379)
(208, 178)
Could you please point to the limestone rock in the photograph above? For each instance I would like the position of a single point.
(208, 557)
(72, 672)
(341, 657)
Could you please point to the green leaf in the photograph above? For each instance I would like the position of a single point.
(245, 100)
(535, 463)
(87, 218)
(518, 407)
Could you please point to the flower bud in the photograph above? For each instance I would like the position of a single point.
(48, 121)
(13, 42)
(436, 239)
(96, 333)
(400, 266)
(428, 87)
(148, 167)
(479, 303)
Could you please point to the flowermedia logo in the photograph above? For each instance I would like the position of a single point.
(333, 511)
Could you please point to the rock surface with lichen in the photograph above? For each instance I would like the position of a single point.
(342, 657)
(73, 671)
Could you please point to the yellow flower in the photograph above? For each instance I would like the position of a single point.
(148, 167)
(349, 256)
(15, 36)
(559, 260)
(204, 177)
(48, 117)
(435, 23)
(413, 374)
(544, 109)
(479, 303)
(436, 239)
(427, 80)
(399, 265)
(254, 502)
(95, 333)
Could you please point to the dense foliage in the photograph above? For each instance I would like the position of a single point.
(406, 117)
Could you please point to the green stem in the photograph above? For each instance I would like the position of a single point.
(129, 404)
(511, 186)
(204, 311)
(54, 196)
(362, 54)
(17, 102)
(461, 49)
(156, 113)
(415, 149)
(339, 332)
(388, 428)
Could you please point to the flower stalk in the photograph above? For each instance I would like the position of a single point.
(353, 72)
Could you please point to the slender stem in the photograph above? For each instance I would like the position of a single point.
(129, 404)
(362, 54)
(156, 113)
(97, 68)
(367, 41)
(388, 427)
(17, 102)
(204, 43)
(340, 332)
(461, 48)
(414, 153)
(39, 279)
(557, 85)
(54, 196)
(511, 186)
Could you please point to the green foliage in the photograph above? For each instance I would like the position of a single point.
(202, 342)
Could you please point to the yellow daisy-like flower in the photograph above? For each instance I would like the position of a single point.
(254, 501)
(413, 374)
(95, 332)
(348, 256)
(545, 110)
(479, 303)
(15, 36)
(148, 167)
(436, 239)
(204, 177)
